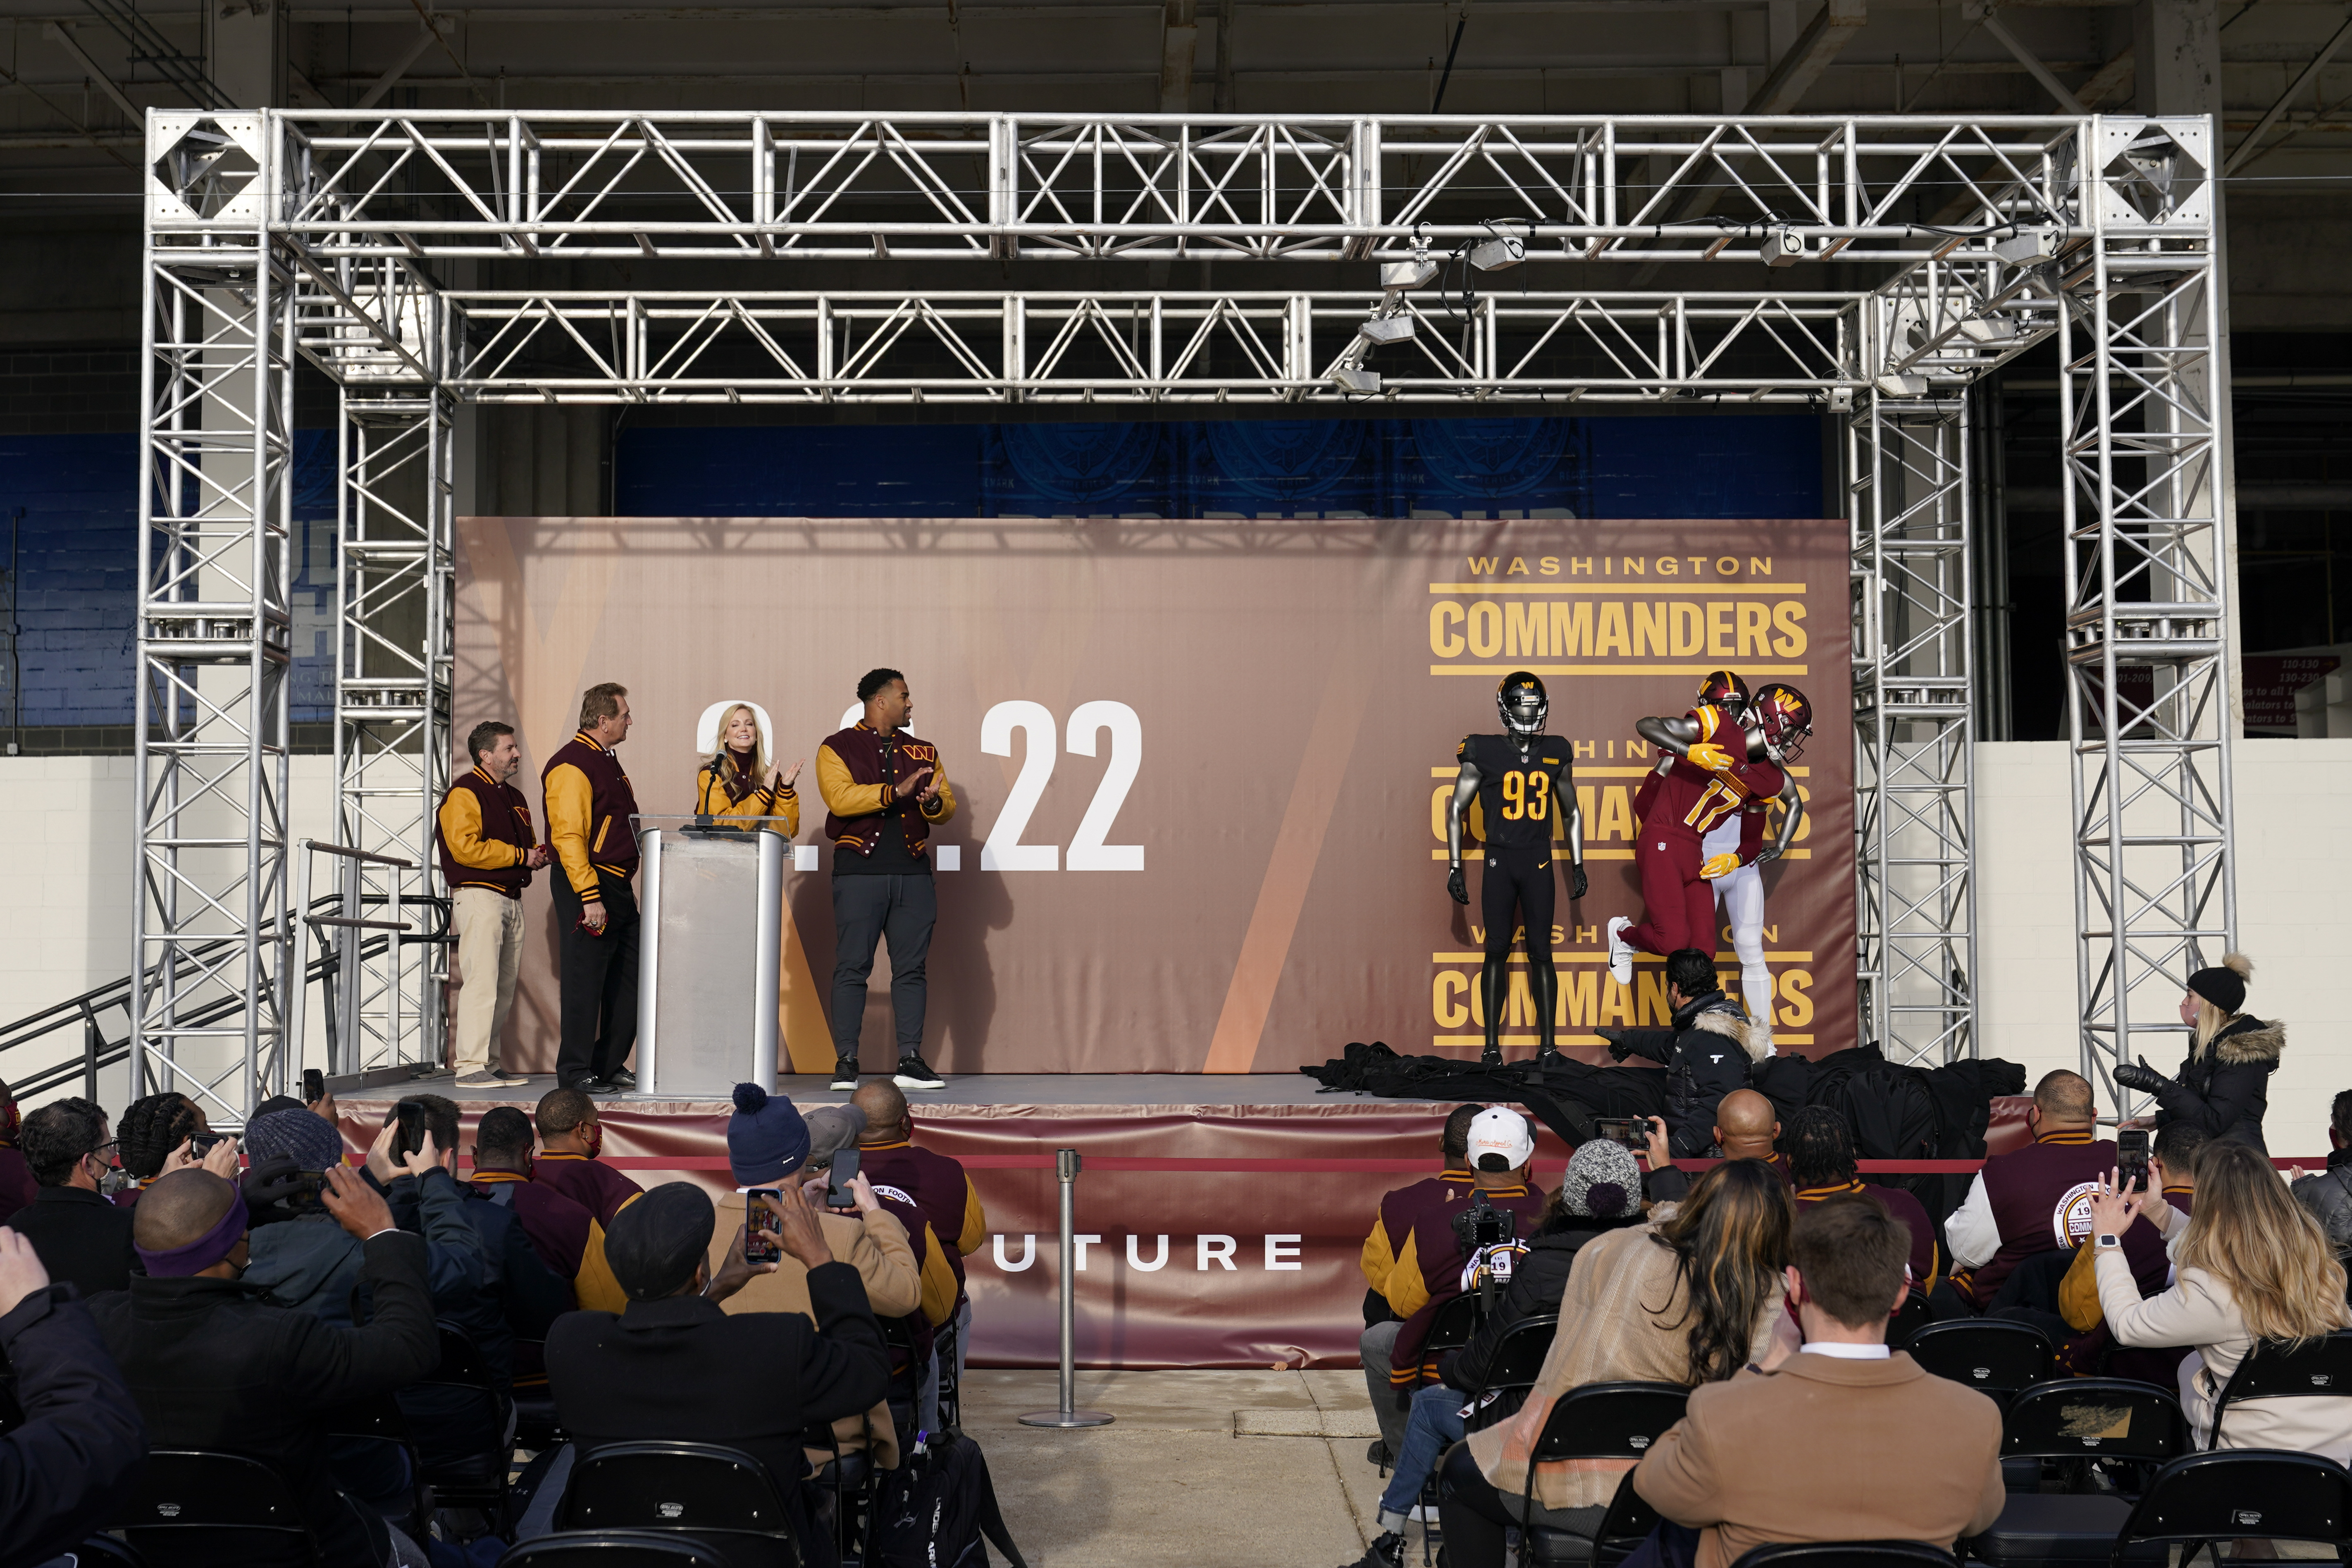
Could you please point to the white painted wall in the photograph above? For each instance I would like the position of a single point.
(64, 901)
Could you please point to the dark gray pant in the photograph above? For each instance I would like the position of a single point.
(865, 908)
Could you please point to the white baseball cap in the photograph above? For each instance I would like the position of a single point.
(1498, 1131)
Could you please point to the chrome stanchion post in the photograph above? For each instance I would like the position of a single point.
(1066, 1166)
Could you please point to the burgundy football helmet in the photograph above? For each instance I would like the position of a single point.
(1785, 718)
(1724, 691)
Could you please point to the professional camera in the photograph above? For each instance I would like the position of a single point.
(1482, 1226)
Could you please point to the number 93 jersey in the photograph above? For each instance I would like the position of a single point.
(1519, 795)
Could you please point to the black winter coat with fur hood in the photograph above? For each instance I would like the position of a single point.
(1706, 1047)
(2225, 1087)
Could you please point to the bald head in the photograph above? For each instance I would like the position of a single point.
(886, 1110)
(2063, 1098)
(179, 1209)
(1745, 1125)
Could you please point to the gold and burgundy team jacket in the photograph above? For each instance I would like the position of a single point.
(858, 793)
(485, 834)
(590, 812)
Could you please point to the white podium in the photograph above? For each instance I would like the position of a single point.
(711, 921)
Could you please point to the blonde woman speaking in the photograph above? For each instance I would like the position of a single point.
(737, 780)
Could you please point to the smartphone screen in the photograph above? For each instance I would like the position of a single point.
(1622, 1129)
(2131, 1155)
(837, 1194)
(201, 1143)
(314, 1086)
(410, 1139)
(762, 1230)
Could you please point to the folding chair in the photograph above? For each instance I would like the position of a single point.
(231, 1504)
(379, 1420)
(1599, 1421)
(1992, 1355)
(473, 1398)
(2321, 1369)
(2078, 1421)
(2261, 1494)
(721, 1496)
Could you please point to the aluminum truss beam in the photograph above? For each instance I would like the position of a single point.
(214, 636)
(2150, 710)
(2099, 230)
(981, 187)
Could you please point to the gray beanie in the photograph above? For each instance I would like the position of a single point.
(1601, 1181)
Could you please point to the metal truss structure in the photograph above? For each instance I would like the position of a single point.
(336, 236)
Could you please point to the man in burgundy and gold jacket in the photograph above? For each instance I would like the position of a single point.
(591, 826)
(884, 792)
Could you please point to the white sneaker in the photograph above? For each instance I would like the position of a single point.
(1621, 951)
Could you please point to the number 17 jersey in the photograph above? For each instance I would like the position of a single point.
(1519, 796)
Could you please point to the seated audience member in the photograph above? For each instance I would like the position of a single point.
(516, 1296)
(676, 1365)
(1690, 1298)
(2328, 1194)
(1746, 1128)
(2253, 1264)
(2172, 1163)
(771, 1144)
(1412, 1220)
(312, 1262)
(1600, 1192)
(935, 1183)
(17, 1184)
(569, 1137)
(214, 1368)
(567, 1238)
(1821, 1158)
(1706, 1048)
(82, 1239)
(1502, 1156)
(2031, 1200)
(151, 1130)
(63, 1466)
(1889, 1451)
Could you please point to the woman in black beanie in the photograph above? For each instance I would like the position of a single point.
(2224, 1086)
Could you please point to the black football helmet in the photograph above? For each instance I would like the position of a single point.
(1521, 701)
(1785, 717)
(1726, 691)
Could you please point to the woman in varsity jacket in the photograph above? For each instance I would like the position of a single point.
(737, 781)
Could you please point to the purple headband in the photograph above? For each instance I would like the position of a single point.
(179, 1262)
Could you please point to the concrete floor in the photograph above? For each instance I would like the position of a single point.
(1191, 1473)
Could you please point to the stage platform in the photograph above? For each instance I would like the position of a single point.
(1221, 1216)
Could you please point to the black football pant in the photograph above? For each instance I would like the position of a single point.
(1526, 880)
(599, 981)
(866, 909)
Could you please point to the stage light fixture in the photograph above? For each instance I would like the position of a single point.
(1988, 329)
(2029, 247)
(1388, 328)
(1896, 384)
(1349, 378)
(1783, 247)
(1417, 273)
(1508, 247)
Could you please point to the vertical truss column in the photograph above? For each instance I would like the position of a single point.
(393, 654)
(1915, 901)
(211, 940)
(2148, 699)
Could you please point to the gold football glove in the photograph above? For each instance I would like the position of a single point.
(1710, 756)
(1719, 866)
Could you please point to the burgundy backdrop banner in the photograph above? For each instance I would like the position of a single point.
(1201, 765)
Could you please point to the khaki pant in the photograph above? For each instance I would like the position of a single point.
(490, 951)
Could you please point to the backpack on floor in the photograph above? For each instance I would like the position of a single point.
(935, 1510)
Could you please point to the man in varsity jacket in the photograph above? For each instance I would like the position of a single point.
(592, 827)
(489, 850)
(884, 792)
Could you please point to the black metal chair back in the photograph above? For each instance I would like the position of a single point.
(1610, 1420)
(230, 1502)
(1519, 1354)
(2093, 1418)
(2318, 1369)
(1850, 1555)
(2242, 1493)
(381, 1420)
(462, 1416)
(612, 1549)
(700, 1490)
(1992, 1355)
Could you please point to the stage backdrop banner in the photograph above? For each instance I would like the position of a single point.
(1202, 767)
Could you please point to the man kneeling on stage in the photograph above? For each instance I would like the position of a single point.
(1706, 1047)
